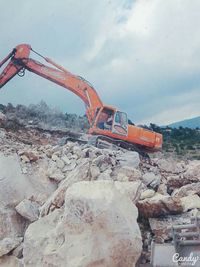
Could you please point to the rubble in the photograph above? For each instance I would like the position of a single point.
(51, 189)
(29, 156)
(162, 227)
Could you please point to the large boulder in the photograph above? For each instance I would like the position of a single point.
(97, 227)
(15, 186)
(130, 189)
(11, 223)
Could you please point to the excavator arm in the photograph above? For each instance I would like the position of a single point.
(20, 61)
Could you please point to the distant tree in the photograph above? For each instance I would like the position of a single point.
(144, 126)
(155, 128)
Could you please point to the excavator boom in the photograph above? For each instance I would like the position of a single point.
(20, 61)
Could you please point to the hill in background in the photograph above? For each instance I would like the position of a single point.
(189, 123)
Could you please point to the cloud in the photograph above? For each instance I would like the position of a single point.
(141, 56)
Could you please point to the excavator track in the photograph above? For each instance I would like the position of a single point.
(101, 141)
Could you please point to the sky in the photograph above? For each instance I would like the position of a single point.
(141, 56)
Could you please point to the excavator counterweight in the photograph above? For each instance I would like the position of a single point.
(106, 122)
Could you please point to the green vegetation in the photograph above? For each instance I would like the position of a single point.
(185, 142)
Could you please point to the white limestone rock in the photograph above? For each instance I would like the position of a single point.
(98, 227)
(11, 223)
(129, 159)
(94, 171)
(190, 202)
(147, 194)
(28, 209)
(56, 200)
(10, 261)
(150, 179)
(125, 174)
(15, 186)
(130, 189)
(8, 244)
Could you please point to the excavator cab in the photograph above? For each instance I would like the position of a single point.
(114, 121)
(110, 127)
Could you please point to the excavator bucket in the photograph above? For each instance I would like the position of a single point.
(162, 255)
(183, 251)
(187, 241)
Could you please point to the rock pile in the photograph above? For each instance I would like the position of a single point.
(65, 204)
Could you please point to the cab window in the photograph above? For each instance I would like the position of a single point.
(117, 117)
(120, 123)
(121, 118)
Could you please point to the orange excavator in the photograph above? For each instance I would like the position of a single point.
(106, 122)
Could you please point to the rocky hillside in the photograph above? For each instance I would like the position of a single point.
(64, 204)
(43, 117)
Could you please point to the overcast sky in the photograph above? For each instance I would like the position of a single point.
(142, 56)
